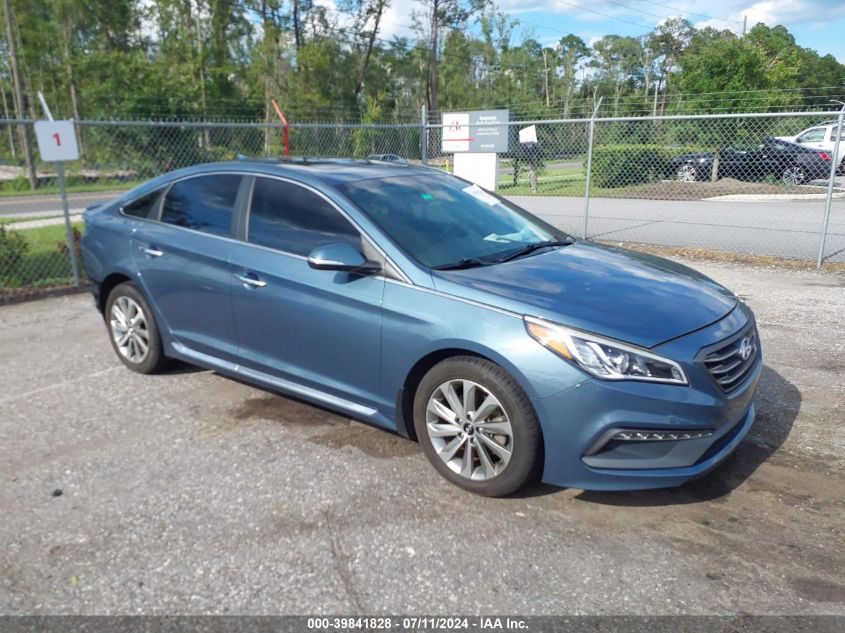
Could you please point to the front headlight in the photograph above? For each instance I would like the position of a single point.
(605, 358)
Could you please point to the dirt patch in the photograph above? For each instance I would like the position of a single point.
(9, 296)
(284, 411)
(819, 589)
(676, 190)
(763, 261)
(369, 440)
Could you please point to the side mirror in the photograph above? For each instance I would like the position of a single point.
(343, 257)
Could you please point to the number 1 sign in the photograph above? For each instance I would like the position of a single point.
(56, 141)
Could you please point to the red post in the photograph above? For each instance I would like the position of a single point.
(285, 139)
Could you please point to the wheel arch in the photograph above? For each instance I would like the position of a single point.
(107, 285)
(405, 397)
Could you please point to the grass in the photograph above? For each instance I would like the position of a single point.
(88, 187)
(559, 182)
(45, 261)
(26, 218)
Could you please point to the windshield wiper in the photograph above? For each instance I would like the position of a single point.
(470, 262)
(530, 248)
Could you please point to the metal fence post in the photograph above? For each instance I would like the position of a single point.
(834, 164)
(423, 135)
(60, 172)
(589, 166)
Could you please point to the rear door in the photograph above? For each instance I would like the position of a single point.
(313, 327)
(183, 261)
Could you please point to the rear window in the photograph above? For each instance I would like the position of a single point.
(204, 203)
(142, 207)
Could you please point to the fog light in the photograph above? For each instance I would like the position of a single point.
(659, 436)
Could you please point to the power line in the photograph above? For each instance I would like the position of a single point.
(630, 8)
(605, 15)
(698, 15)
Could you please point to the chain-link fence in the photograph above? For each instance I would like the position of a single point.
(760, 184)
(724, 183)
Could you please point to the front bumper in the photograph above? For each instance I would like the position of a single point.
(577, 421)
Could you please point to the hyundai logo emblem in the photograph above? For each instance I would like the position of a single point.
(745, 348)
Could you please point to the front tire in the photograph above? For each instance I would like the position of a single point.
(477, 427)
(133, 332)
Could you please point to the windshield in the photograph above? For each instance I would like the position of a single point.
(440, 220)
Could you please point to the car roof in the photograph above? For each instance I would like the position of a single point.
(332, 171)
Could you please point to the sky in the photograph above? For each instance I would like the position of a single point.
(816, 24)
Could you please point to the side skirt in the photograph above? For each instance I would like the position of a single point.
(286, 387)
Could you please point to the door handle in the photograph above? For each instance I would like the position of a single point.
(250, 281)
(152, 252)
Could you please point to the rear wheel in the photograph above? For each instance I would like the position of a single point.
(134, 333)
(794, 175)
(477, 427)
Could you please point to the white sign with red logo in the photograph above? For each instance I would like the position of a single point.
(56, 141)
(456, 136)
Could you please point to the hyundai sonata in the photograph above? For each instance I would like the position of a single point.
(415, 301)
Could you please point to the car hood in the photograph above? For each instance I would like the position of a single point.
(634, 297)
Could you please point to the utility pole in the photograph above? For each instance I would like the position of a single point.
(17, 97)
(435, 23)
(744, 23)
(546, 76)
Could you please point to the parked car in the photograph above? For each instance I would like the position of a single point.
(793, 164)
(390, 158)
(821, 137)
(420, 303)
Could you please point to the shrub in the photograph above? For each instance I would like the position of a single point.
(13, 248)
(624, 165)
(18, 183)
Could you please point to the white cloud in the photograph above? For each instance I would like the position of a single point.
(722, 14)
(396, 20)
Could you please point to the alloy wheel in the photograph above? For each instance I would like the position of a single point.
(793, 176)
(686, 173)
(469, 429)
(129, 329)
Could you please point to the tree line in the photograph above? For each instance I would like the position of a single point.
(207, 59)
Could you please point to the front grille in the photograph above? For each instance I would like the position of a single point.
(726, 363)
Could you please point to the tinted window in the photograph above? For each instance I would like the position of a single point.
(142, 207)
(291, 218)
(204, 203)
(439, 219)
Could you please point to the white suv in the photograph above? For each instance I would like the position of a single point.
(823, 137)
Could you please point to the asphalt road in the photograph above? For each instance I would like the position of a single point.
(788, 228)
(191, 493)
(50, 204)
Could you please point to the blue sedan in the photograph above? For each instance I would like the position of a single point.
(420, 303)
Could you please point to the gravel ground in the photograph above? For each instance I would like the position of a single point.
(191, 493)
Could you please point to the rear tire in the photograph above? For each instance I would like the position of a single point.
(794, 176)
(686, 173)
(477, 427)
(133, 332)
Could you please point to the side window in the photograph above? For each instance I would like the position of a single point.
(290, 218)
(204, 203)
(813, 136)
(142, 207)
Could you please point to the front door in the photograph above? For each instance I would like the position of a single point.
(314, 327)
